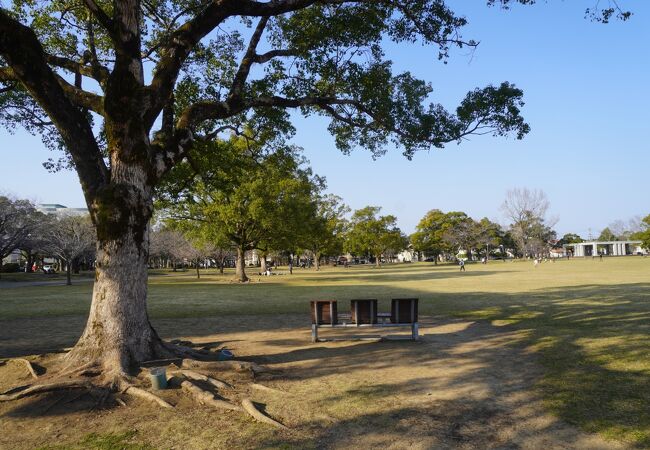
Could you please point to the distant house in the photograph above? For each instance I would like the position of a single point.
(408, 255)
(558, 252)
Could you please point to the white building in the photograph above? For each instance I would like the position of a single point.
(60, 210)
(608, 248)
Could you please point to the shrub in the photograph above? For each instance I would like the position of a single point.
(10, 267)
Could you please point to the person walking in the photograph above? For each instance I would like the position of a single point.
(461, 263)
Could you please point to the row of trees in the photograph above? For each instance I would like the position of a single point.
(70, 239)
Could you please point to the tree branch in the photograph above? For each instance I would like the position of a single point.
(266, 57)
(185, 37)
(99, 73)
(247, 61)
(102, 18)
(82, 98)
(24, 54)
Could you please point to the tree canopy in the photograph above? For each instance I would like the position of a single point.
(373, 235)
(254, 200)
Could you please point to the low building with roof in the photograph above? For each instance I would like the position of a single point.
(606, 248)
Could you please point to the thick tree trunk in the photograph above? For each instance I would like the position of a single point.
(118, 334)
(240, 272)
(317, 260)
(378, 260)
(68, 273)
(223, 263)
(198, 274)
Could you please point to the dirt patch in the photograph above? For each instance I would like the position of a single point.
(464, 385)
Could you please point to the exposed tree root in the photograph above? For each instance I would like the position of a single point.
(239, 366)
(250, 408)
(29, 366)
(199, 376)
(261, 387)
(141, 393)
(68, 370)
(40, 388)
(207, 398)
(101, 378)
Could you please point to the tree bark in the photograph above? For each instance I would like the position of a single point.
(198, 274)
(263, 262)
(68, 273)
(317, 261)
(240, 272)
(378, 260)
(118, 334)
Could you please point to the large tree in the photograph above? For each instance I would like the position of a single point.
(370, 234)
(530, 227)
(128, 87)
(263, 204)
(434, 233)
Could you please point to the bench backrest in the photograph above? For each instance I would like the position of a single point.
(404, 310)
(363, 310)
(323, 312)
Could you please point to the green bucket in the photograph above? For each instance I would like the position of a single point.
(158, 378)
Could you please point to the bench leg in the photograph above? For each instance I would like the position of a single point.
(414, 331)
(314, 332)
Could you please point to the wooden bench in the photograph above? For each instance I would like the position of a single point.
(363, 313)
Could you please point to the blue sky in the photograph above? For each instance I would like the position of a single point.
(587, 97)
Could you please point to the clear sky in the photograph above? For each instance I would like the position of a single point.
(587, 97)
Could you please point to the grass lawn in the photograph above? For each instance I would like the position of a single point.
(587, 320)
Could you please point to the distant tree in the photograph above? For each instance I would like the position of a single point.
(607, 235)
(625, 229)
(373, 235)
(68, 238)
(570, 238)
(429, 236)
(644, 235)
(489, 236)
(462, 234)
(168, 245)
(530, 229)
(325, 231)
(18, 220)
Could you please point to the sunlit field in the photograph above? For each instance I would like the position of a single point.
(586, 322)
